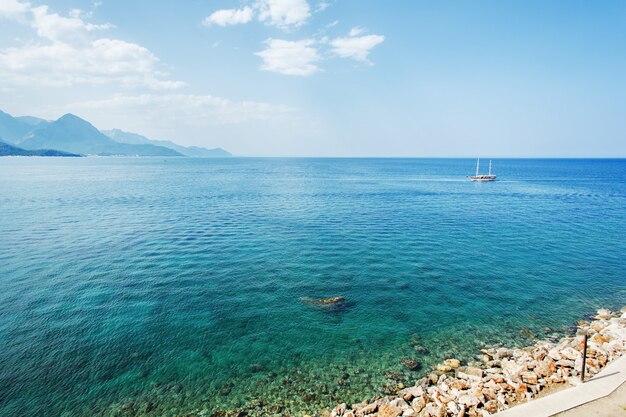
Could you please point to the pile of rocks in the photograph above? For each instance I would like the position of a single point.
(504, 377)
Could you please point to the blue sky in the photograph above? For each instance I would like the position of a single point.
(328, 78)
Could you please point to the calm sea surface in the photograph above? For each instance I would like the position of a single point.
(165, 287)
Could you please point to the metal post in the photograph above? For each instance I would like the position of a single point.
(582, 373)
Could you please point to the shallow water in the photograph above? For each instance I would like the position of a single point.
(172, 286)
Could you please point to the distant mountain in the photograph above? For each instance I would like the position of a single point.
(136, 139)
(72, 134)
(10, 150)
(12, 129)
(33, 121)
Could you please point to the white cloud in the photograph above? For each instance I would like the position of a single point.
(297, 57)
(66, 52)
(355, 47)
(227, 17)
(355, 31)
(58, 28)
(290, 57)
(301, 57)
(284, 13)
(12, 9)
(99, 62)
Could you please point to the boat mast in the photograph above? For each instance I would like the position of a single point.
(490, 167)
(477, 165)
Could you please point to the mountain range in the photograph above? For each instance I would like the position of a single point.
(121, 136)
(10, 150)
(74, 135)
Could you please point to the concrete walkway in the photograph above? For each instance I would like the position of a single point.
(613, 405)
(601, 385)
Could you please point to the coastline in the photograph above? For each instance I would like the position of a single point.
(504, 377)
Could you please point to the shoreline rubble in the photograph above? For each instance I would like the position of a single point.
(504, 378)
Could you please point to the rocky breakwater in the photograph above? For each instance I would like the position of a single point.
(503, 377)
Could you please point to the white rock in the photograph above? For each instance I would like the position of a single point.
(566, 363)
(603, 314)
(554, 354)
(503, 353)
(431, 409)
(468, 400)
(570, 353)
(529, 377)
(369, 409)
(400, 403)
(418, 404)
(453, 408)
(599, 325)
(512, 369)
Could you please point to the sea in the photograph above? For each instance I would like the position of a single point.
(183, 286)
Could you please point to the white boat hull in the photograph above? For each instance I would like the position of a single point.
(482, 178)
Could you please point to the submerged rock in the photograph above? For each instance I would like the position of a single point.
(256, 367)
(443, 368)
(393, 376)
(452, 363)
(324, 301)
(410, 363)
(229, 413)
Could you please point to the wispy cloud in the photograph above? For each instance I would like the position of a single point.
(174, 109)
(321, 6)
(66, 51)
(356, 31)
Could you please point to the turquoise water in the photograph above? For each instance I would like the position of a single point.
(172, 286)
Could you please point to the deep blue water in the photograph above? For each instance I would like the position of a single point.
(171, 286)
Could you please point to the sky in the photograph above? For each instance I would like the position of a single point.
(328, 77)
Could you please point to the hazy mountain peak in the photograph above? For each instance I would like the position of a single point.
(72, 118)
(71, 133)
(12, 129)
(122, 136)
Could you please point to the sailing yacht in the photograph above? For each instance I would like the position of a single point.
(482, 177)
